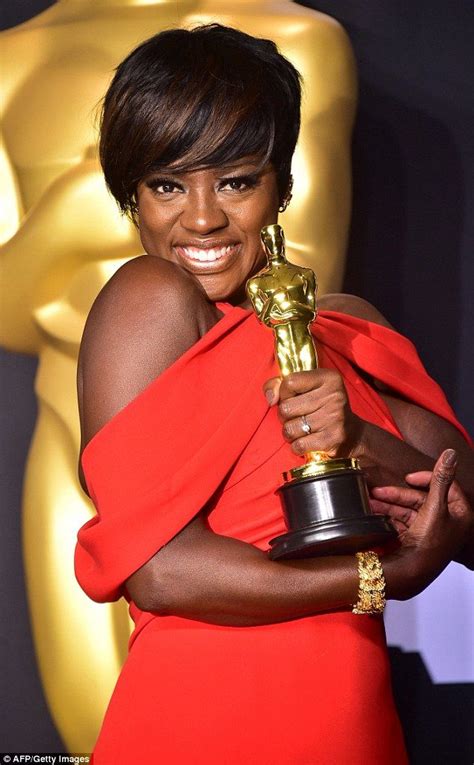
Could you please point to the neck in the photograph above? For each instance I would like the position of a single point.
(276, 259)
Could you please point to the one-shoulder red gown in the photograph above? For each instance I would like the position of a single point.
(311, 691)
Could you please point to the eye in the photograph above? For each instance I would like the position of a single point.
(164, 186)
(239, 183)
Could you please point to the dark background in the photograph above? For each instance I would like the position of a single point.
(411, 254)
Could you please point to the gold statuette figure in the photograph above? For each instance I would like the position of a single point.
(325, 501)
(284, 298)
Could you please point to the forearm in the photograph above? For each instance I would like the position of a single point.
(204, 576)
(386, 459)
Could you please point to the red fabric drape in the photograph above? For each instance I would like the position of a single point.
(312, 690)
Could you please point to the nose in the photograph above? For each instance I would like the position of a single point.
(203, 212)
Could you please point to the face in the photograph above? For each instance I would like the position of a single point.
(209, 221)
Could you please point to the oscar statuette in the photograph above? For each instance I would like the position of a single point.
(325, 500)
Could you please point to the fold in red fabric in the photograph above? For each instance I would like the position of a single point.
(163, 457)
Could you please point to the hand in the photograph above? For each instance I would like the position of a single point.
(320, 396)
(432, 526)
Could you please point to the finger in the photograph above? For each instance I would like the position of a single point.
(402, 514)
(313, 443)
(455, 493)
(399, 495)
(293, 429)
(304, 382)
(422, 478)
(271, 390)
(443, 476)
(302, 404)
(378, 507)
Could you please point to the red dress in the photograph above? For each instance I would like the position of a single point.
(311, 691)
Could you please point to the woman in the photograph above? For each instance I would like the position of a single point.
(235, 658)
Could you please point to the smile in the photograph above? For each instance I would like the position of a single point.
(213, 254)
(208, 257)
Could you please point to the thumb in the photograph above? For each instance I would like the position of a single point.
(271, 390)
(442, 478)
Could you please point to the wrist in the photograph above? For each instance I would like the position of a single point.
(409, 570)
(465, 555)
(359, 446)
(401, 574)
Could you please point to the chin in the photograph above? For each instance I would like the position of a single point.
(216, 293)
(215, 296)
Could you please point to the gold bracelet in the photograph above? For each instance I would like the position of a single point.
(371, 595)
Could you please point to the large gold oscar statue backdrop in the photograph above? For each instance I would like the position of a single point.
(63, 238)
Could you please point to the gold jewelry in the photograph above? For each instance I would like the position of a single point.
(371, 595)
(287, 198)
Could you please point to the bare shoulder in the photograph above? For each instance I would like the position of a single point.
(144, 277)
(354, 306)
(135, 305)
(144, 318)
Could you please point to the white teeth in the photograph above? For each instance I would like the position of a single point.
(214, 253)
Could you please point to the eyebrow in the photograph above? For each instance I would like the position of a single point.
(245, 162)
(257, 164)
(251, 168)
(244, 169)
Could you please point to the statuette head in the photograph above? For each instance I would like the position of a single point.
(273, 240)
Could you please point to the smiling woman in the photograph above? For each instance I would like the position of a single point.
(235, 658)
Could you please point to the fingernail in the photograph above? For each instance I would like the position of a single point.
(449, 458)
(270, 396)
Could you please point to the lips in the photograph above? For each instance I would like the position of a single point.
(209, 256)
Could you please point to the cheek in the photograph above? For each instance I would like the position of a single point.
(258, 213)
(146, 229)
(146, 238)
(265, 210)
(154, 229)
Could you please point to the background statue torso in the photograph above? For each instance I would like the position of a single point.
(64, 238)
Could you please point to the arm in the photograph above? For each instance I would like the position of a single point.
(11, 207)
(205, 576)
(35, 263)
(425, 434)
(200, 575)
(424, 431)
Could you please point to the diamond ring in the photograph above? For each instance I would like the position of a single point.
(305, 426)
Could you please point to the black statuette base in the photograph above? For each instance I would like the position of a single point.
(328, 514)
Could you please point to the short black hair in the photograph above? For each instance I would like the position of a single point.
(198, 98)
